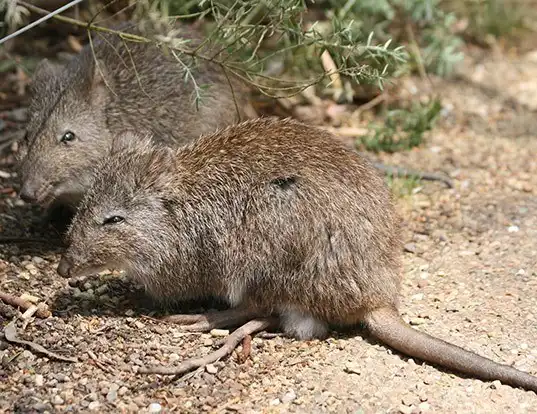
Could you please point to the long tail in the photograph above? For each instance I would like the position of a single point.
(390, 328)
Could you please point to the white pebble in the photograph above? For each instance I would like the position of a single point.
(289, 396)
(57, 400)
(39, 380)
(155, 408)
(94, 405)
(513, 229)
(211, 369)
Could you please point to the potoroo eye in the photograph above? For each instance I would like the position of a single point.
(67, 137)
(113, 220)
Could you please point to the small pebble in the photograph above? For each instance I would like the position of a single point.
(39, 380)
(211, 369)
(405, 410)
(154, 408)
(521, 272)
(513, 229)
(111, 396)
(57, 400)
(94, 405)
(37, 260)
(275, 402)
(139, 325)
(173, 357)
(62, 377)
(410, 248)
(423, 283)
(466, 253)
(424, 406)
(24, 275)
(101, 289)
(495, 385)
(122, 391)
(289, 396)
(208, 342)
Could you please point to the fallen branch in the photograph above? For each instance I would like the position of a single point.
(232, 342)
(10, 333)
(41, 312)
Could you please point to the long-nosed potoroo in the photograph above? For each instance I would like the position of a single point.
(277, 218)
(114, 86)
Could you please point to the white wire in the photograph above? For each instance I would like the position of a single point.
(38, 21)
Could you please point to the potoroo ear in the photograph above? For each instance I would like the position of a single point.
(45, 69)
(44, 72)
(100, 82)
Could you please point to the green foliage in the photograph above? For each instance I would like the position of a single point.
(403, 187)
(241, 31)
(496, 18)
(402, 129)
(422, 22)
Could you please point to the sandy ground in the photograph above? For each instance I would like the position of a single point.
(470, 278)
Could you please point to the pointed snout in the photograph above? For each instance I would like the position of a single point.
(65, 267)
(28, 192)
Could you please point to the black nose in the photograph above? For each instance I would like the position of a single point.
(64, 268)
(28, 193)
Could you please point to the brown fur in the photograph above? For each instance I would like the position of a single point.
(133, 87)
(274, 216)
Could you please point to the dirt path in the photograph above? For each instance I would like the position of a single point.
(471, 279)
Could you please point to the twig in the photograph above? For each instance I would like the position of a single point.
(123, 35)
(232, 342)
(23, 304)
(99, 363)
(331, 68)
(371, 104)
(10, 333)
(353, 132)
(246, 349)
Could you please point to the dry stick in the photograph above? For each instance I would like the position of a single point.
(23, 304)
(232, 342)
(10, 333)
(246, 349)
